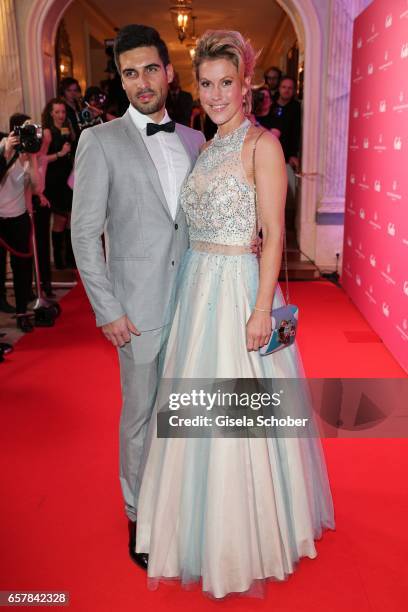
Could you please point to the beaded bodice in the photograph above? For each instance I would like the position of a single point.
(216, 197)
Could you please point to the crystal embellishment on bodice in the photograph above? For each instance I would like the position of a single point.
(216, 197)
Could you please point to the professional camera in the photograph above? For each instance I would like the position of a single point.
(86, 117)
(30, 138)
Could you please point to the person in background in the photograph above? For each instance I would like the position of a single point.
(179, 103)
(5, 306)
(15, 226)
(96, 101)
(286, 116)
(70, 92)
(272, 78)
(56, 151)
(117, 102)
(201, 121)
(260, 116)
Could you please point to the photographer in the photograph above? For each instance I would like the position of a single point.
(70, 92)
(20, 178)
(56, 151)
(95, 100)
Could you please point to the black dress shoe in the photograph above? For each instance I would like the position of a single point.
(5, 306)
(141, 559)
(6, 348)
(24, 323)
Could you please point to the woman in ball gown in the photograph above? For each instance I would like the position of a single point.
(230, 512)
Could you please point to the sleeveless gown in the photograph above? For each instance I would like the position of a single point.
(228, 512)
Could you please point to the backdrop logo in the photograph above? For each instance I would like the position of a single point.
(355, 113)
(387, 275)
(370, 68)
(366, 143)
(386, 309)
(404, 51)
(398, 143)
(373, 261)
(362, 213)
(359, 43)
(388, 21)
(377, 185)
(358, 280)
(391, 229)
(405, 289)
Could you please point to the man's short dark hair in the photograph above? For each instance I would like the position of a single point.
(17, 119)
(275, 69)
(134, 36)
(66, 83)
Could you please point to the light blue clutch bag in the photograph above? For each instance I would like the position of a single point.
(284, 326)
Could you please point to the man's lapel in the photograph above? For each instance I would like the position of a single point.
(145, 159)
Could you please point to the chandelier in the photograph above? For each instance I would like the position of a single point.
(180, 11)
(192, 41)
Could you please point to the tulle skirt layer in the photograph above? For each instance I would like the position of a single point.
(228, 512)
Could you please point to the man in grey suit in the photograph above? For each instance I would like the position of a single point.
(128, 175)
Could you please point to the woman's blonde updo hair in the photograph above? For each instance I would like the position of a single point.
(230, 45)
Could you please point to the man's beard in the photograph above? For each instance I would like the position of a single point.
(152, 107)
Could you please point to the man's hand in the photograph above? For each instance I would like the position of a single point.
(11, 142)
(118, 332)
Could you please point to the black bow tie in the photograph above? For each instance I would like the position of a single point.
(153, 128)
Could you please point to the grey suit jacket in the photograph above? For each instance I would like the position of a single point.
(117, 190)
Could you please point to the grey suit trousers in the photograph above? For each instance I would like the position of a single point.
(139, 372)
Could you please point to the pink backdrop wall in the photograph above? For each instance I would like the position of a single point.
(375, 260)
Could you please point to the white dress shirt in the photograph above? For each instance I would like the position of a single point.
(169, 156)
(12, 190)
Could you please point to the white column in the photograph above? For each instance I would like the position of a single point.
(11, 93)
(330, 209)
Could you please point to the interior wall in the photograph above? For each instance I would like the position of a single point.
(11, 93)
(82, 22)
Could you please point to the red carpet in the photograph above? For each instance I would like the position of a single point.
(62, 524)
